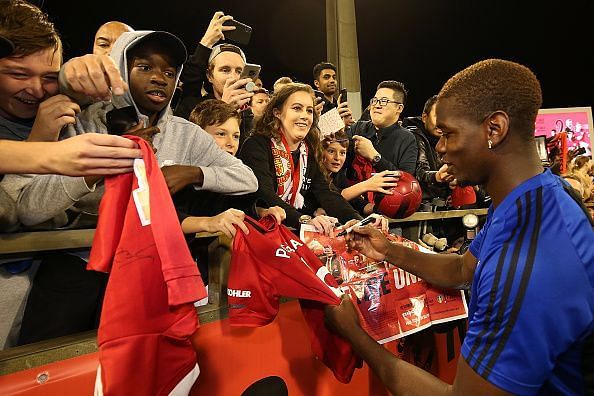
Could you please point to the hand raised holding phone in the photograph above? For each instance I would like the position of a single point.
(216, 29)
(234, 93)
(252, 72)
(343, 108)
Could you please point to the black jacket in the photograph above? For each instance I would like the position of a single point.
(329, 105)
(396, 145)
(257, 154)
(428, 162)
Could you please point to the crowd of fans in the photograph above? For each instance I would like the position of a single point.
(225, 151)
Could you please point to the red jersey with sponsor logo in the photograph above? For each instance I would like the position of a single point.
(272, 262)
(148, 315)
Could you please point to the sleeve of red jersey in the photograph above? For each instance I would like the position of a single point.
(111, 221)
(184, 284)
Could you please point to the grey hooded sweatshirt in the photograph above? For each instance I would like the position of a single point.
(179, 142)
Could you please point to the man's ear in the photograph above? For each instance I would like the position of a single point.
(317, 84)
(497, 124)
(424, 117)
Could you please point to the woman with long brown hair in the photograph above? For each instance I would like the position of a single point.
(285, 154)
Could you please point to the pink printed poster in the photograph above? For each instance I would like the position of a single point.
(575, 121)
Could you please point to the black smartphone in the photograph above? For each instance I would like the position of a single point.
(241, 34)
(119, 121)
(319, 94)
(343, 95)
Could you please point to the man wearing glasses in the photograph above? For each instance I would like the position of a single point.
(383, 141)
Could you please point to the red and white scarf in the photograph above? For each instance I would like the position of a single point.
(289, 178)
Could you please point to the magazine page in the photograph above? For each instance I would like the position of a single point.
(392, 303)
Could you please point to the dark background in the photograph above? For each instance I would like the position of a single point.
(419, 42)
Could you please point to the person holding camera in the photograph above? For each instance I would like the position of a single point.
(217, 69)
(326, 83)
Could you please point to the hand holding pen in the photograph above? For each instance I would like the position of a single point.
(373, 218)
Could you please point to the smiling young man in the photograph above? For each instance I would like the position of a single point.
(383, 141)
(530, 269)
(325, 80)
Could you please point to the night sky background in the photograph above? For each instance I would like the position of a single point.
(421, 43)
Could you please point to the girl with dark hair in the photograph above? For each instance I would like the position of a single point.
(285, 154)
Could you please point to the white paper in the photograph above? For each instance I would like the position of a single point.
(330, 122)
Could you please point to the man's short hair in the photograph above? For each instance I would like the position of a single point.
(400, 92)
(213, 112)
(429, 104)
(322, 66)
(28, 28)
(496, 84)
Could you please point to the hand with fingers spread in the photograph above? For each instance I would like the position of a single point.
(382, 182)
(216, 29)
(234, 92)
(95, 76)
(53, 114)
(276, 211)
(179, 176)
(324, 224)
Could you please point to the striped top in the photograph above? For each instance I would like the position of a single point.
(532, 299)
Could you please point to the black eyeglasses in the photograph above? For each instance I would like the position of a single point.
(382, 101)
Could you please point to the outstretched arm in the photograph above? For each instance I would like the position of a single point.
(443, 270)
(83, 155)
(400, 377)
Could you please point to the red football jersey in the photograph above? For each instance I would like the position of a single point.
(148, 315)
(272, 262)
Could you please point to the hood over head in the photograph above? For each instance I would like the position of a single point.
(128, 40)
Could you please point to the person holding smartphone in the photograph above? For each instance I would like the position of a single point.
(217, 69)
(326, 82)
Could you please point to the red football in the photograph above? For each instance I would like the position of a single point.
(404, 201)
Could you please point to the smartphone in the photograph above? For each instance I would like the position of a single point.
(343, 95)
(250, 71)
(241, 34)
(319, 94)
(119, 121)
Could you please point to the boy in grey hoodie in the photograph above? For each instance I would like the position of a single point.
(150, 63)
